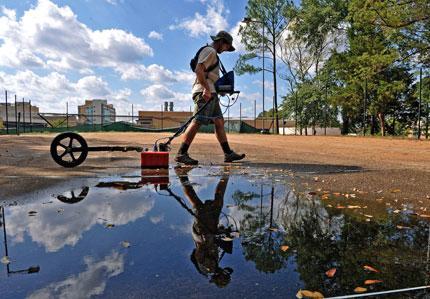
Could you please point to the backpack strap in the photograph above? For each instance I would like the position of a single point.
(212, 67)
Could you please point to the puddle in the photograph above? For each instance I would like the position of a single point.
(206, 232)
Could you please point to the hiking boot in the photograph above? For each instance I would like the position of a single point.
(186, 159)
(233, 157)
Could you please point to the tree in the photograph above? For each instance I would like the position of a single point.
(270, 15)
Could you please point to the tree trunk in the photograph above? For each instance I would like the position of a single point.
(306, 131)
(373, 125)
(345, 124)
(381, 117)
(275, 92)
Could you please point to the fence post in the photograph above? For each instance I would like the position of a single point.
(283, 126)
(255, 114)
(7, 114)
(23, 115)
(67, 115)
(240, 116)
(31, 120)
(17, 124)
(16, 116)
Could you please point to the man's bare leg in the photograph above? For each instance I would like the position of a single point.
(220, 131)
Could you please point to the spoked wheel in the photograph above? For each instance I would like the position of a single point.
(69, 149)
(74, 199)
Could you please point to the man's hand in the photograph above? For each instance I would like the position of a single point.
(207, 95)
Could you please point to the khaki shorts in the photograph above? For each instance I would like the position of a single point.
(211, 112)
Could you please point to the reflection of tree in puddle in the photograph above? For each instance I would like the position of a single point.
(262, 238)
(322, 239)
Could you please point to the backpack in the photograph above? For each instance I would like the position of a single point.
(195, 59)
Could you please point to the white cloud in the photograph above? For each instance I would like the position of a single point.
(51, 36)
(86, 284)
(199, 25)
(156, 74)
(236, 38)
(51, 92)
(155, 95)
(155, 35)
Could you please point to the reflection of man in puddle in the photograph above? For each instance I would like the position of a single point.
(207, 233)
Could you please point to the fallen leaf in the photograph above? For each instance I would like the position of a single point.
(368, 216)
(372, 281)
(340, 207)
(336, 194)
(425, 216)
(353, 207)
(308, 294)
(5, 260)
(330, 273)
(395, 191)
(125, 244)
(360, 290)
(396, 211)
(370, 268)
(109, 225)
(402, 227)
(284, 247)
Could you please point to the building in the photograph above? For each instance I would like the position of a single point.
(96, 111)
(162, 119)
(24, 112)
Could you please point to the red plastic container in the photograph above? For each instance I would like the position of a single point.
(157, 177)
(155, 160)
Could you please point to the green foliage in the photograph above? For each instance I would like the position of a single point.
(368, 80)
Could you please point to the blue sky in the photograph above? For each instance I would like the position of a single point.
(128, 51)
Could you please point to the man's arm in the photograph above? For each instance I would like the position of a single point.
(201, 78)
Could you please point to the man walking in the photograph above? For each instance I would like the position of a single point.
(207, 73)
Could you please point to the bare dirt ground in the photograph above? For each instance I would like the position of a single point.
(377, 167)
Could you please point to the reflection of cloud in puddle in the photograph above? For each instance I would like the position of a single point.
(54, 230)
(185, 228)
(85, 284)
(157, 219)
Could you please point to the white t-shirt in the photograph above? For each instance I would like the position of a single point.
(207, 57)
